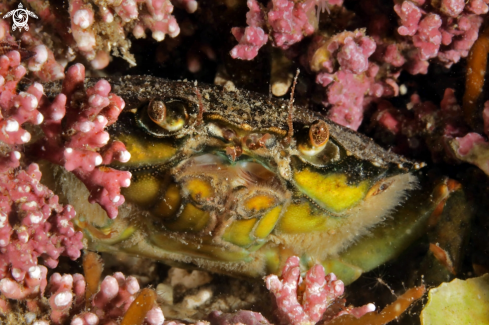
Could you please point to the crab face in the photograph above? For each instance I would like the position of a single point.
(220, 182)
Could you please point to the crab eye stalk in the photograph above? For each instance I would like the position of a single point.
(317, 139)
(319, 134)
(157, 111)
(162, 118)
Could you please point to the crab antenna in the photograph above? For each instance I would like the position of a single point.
(200, 117)
(291, 107)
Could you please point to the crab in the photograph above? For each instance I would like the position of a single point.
(235, 182)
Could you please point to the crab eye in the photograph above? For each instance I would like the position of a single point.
(163, 118)
(319, 134)
(157, 111)
(317, 139)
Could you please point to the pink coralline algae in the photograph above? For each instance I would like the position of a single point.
(82, 152)
(43, 64)
(358, 67)
(33, 224)
(17, 109)
(94, 30)
(42, 229)
(251, 38)
(112, 301)
(88, 145)
(342, 67)
(288, 23)
(120, 17)
(65, 298)
(438, 29)
(318, 293)
(316, 299)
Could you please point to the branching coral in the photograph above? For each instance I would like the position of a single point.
(95, 29)
(80, 143)
(316, 299)
(65, 298)
(287, 20)
(33, 223)
(305, 303)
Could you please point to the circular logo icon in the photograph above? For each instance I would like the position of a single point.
(20, 17)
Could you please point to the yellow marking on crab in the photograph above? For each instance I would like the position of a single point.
(199, 190)
(298, 218)
(331, 192)
(259, 202)
(143, 191)
(192, 219)
(168, 206)
(146, 152)
(239, 232)
(268, 222)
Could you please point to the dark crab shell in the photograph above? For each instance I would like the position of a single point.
(244, 109)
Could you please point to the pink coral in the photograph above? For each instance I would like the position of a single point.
(251, 38)
(43, 64)
(82, 17)
(342, 66)
(318, 293)
(33, 283)
(86, 122)
(82, 151)
(93, 30)
(112, 301)
(66, 300)
(452, 27)
(16, 109)
(288, 23)
(43, 227)
(409, 14)
(67, 295)
(346, 96)
(33, 223)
